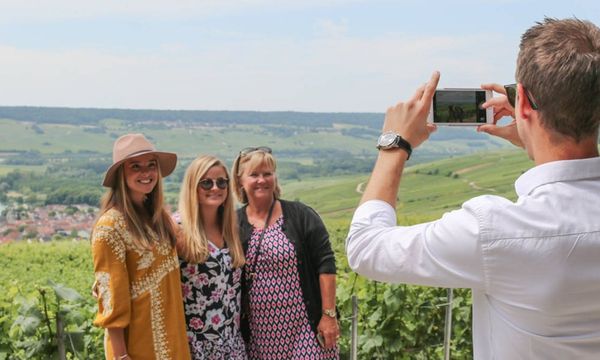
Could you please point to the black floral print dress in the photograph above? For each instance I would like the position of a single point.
(211, 297)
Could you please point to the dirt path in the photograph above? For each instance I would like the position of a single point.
(474, 186)
(471, 168)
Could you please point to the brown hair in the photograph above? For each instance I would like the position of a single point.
(559, 64)
(160, 221)
(193, 245)
(252, 161)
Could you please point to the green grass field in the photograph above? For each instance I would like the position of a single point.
(426, 190)
(290, 142)
(185, 141)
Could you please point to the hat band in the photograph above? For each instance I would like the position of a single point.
(139, 152)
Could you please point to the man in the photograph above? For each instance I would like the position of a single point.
(533, 265)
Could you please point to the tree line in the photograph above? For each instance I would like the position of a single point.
(91, 116)
(76, 179)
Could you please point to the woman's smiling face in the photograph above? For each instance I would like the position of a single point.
(215, 196)
(258, 182)
(141, 176)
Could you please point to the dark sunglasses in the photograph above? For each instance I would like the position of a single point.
(250, 150)
(511, 94)
(208, 184)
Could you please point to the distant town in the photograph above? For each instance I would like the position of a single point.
(25, 222)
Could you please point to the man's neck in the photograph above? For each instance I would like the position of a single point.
(565, 149)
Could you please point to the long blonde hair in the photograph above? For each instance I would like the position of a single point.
(193, 243)
(160, 222)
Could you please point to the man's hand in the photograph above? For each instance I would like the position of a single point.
(409, 119)
(501, 108)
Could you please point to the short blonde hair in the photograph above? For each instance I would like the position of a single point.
(193, 243)
(251, 161)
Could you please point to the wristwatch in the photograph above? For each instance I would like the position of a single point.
(391, 140)
(330, 312)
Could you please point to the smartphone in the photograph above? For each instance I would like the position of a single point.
(460, 107)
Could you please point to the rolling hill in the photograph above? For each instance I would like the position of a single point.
(426, 191)
(299, 137)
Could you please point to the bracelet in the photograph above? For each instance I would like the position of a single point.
(332, 313)
(122, 357)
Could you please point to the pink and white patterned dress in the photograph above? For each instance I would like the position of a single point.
(279, 327)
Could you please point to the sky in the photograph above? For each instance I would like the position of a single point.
(265, 55)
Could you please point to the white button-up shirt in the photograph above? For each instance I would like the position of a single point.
(533, 265)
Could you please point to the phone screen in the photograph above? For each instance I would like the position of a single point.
(459, 106)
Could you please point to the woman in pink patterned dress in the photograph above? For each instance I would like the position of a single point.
(290, 267)
(211, 260)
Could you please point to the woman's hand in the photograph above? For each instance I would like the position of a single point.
(329, 329)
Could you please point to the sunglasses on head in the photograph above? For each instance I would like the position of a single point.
(511, 94)
(250, 150)
(207, 184)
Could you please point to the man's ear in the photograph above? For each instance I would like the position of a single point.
(522, 102)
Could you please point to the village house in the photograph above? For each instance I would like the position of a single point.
(42, 223)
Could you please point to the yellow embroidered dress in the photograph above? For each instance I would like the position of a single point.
(138, 290)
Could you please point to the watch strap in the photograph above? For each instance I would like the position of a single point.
(404, 145)
(330, 312)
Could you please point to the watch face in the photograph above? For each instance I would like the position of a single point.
(386, 139)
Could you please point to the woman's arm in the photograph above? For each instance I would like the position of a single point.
(112, 281)
(117, 340)
(317, 244)
(322, 261)
(328, 326)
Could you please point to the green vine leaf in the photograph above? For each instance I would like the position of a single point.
(64, 293)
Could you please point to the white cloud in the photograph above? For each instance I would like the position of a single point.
(58, 10)
(332, 73)
(331, 28)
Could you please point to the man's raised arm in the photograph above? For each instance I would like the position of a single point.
(409, 120)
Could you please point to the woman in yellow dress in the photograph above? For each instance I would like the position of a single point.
(135, 261)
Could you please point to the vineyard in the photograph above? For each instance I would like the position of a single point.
(46, 307)
(395, 322)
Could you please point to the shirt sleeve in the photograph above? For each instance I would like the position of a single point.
(112, 280)
(442, 253)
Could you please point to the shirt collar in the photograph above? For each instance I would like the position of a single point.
(555, 171)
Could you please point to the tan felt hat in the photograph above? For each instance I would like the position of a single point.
(133, 145)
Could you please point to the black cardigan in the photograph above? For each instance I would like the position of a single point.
(303, 226)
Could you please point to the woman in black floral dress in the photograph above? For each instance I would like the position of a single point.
(211, 258)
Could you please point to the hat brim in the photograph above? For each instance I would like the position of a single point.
(166, 160)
